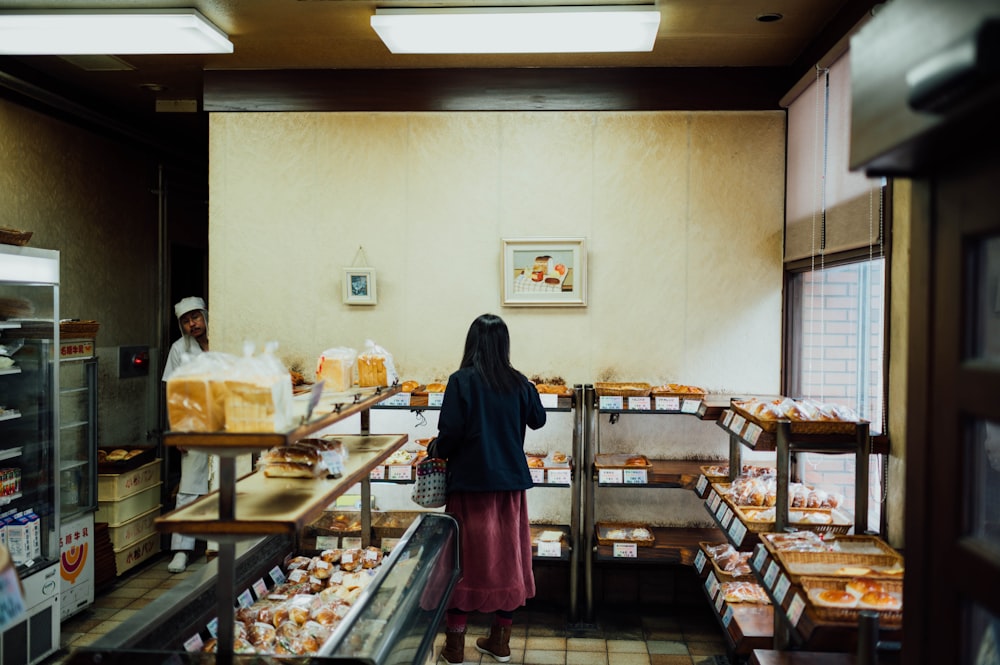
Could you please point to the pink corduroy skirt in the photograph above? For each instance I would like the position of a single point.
(495, 541)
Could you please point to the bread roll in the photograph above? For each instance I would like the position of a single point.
(435, 387)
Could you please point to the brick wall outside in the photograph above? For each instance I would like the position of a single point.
(842, 358)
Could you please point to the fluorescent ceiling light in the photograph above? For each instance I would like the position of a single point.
(95, 31)
(584, 29)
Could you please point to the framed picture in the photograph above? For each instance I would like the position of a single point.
(359, 286)
(544, 272)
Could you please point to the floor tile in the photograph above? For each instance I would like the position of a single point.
(118, 603)
(546, 643)
(706, 648)
(628, 658)
(626, 646)
(671, 648)
(539, 657)
(586, 644)
(665, 659)
(586, 658)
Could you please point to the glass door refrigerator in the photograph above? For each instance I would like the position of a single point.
(29, 438)
(77, 471)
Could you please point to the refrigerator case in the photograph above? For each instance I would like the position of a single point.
(29, 438)
(77, 473)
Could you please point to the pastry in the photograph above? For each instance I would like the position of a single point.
(637, 460)
(293, 470)
(102, 456)
(435, 387)
(409, 386)
(536, 463)
(559, 458)
(836, 597)
(862, 585)
(881, 600)
(117, 455)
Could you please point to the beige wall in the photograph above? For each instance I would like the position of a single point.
(90, 198)
(682, 213)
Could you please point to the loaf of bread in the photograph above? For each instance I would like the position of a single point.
(249, 407)
(196, 403)
(293, 470)
(371, 370)
(336, 369)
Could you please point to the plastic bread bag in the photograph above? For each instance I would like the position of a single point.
(335, 368)
(375, 366)
(258, 392)
(196, 393)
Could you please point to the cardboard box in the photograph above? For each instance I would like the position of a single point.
(133, 505)
(114, 486)
(131, 556)
(133, 530)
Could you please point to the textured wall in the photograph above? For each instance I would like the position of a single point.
(91, 199)
(682, 213)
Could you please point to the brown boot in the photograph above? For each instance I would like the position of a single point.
(497, 644)
(454, 647)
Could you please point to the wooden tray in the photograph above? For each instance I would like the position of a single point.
(886, 618)
(692, 392)
(799, 426)
(714, 477)
(603, 528)
(757, 526)
(720, 574)
(622, 389)
(618, 461)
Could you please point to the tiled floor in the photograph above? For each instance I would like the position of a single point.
(540, 636)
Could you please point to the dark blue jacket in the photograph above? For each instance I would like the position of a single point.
(481, 433)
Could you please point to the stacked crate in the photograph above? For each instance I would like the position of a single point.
(129, 502)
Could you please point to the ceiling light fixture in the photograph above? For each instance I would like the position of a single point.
(584, 29)
(95, 31)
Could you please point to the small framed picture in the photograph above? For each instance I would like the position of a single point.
(544, 272)
(359, 286)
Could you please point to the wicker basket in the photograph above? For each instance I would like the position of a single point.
(799, 426)
(604, 530)
(10, 236)
(622, 389)
(887, 618)
(759, 526)
(712, 474)
(721, 574)
(827, 564)
(78, 329)
(693, 392)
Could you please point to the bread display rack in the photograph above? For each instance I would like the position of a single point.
(273, 506)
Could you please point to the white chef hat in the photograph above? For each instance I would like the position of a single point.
(189, 304)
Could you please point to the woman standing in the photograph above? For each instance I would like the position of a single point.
(487, 406)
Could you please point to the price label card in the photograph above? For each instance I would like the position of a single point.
(702, 484)
(795, 609)
(727, 417)
(245, 599)
(325, 543)
(690, 405)
(259, 588)
(700, 560)
(610, 476)
(668, 403)
(727, 618)
(737, 423)
(610, 402)
(389, 543)
(213, 627)
(549, 548)
(781, 589)
(350, 543)
(549, 400)
(560, 476)
(401, 472)
(713, 500)
(635, 476)
(435, 399)
(537, 476)
(727, 518)
(378, 473)
(752, 433)
(625, 550)
(279, 577)
(759, 557)
(638, 403)
(399, 399)
(722, 510)
(193, 643)
(719, 601)
(771, 574)
(738, 531)
(712, 584)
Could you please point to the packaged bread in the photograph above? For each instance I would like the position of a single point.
(335, 368)
(375, 367)
(258, 392)
(196, 393)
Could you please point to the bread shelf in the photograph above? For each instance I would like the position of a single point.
(683, 474)
(671, 545)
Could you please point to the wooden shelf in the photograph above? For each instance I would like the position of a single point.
(682, 474)
(266, 506)
(758, 440)
(565, 549)
(671, 545)
(770, 657)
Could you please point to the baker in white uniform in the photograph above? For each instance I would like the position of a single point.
(192, 315)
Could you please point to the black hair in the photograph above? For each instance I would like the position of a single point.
(487, 348)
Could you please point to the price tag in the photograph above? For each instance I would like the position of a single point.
(771, 574)
(213, 627)
(549, 400)
(721, 511)
(638, 403)
(752, 433)
(781, 589)
(727, 417)
(279, 577)
(326, 543)
(700, 560)
(537, 476)
(549, 548)
(759, 557)
(668, 403)
(625, 550)
(702, 484)
(245, 599)
(635, 476)
(560, 476)
(389, 543)
(435, 399)
(378, 473)
(795, 609)
(610, 402)
(399, 399)
(401, 472)
(737, 423)
(193, 643)
(610, 476)
(713, 500)
(690, 405)
(297, 575)
(737, 531)
(259, 588)
(727, 518)
(719, 600)
(353, 543)
(727, 618)
(712, 584)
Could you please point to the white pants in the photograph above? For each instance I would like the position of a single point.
(179, 542)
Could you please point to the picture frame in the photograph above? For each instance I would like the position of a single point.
(543, 272)
(359, 286)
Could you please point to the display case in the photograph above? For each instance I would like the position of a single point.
(29, 440)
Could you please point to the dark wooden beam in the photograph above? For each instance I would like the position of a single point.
(535, 89)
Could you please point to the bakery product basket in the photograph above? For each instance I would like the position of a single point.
(622, 389)
(9, 236)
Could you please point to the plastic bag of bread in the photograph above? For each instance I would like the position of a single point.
(335, 368)
(258, 392)
(375, 366)
(196, 393)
